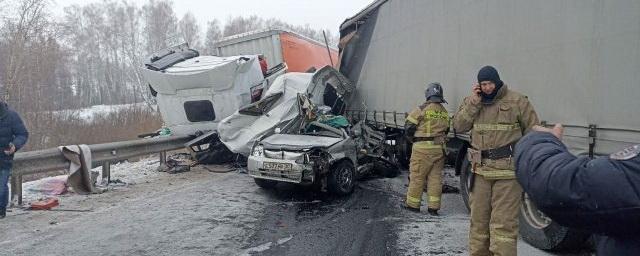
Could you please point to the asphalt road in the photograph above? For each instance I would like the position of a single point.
(205, 213)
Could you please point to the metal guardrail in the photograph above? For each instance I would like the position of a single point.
(48, 160)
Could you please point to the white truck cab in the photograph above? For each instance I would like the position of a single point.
(195, 92)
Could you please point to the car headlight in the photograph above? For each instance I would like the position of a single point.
(258, 151)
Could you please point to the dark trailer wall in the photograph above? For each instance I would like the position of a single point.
(577, 61)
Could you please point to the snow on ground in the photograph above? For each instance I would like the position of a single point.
(124, 173)
(193, 213)
(89, 114)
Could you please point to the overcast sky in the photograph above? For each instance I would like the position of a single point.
(319, 14)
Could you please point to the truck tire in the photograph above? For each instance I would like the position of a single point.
(546, 234)
(535, 228)
(266, 184)
(465, 181)
(341, 179)
(404, 151)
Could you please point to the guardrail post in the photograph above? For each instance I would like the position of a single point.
(163, 158)
(16, 188)
(106, 171)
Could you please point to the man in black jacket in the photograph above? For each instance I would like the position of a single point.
(601, 195)
(13, 135)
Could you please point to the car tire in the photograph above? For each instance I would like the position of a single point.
(535, 228)
(342, 178)
(266, 184)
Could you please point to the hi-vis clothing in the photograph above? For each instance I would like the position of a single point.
(495, 125)
(495, 194)
(427, 154)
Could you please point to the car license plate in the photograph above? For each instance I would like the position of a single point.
(277, 166)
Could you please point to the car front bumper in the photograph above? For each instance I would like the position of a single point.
(263, 168)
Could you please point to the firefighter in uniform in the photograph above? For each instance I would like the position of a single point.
(427, 127)
(497, 118)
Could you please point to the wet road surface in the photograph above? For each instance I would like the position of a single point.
(318, 224)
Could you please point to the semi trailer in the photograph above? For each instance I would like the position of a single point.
(577, 61)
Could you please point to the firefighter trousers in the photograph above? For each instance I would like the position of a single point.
(495, 205)
(425, 168)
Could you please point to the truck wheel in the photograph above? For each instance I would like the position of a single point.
(465, 181)
(341, 180)
(535, 228)
(266, 184)
(404, 151)
(543, 233)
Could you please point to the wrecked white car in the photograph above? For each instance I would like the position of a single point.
(322, 154)
(296, 135)
(280, 106)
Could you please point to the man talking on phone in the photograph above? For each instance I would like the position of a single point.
(13, 135)
(497, 118)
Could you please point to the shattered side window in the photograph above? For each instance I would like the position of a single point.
(262, 106)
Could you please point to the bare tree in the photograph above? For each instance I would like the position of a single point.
(160, 24)
(214, 33)
(23, 34)
(190, 31)
(239, 24)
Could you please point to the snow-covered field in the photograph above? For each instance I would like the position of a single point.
(89, 114)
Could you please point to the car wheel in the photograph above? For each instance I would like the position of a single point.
(341, 180)
(266, 184)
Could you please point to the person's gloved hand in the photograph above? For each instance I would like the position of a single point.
(557, 130)
(476, 91)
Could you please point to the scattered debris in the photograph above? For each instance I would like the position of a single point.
(45, 204)
(450, 189)
(52, 186)
(174, 166)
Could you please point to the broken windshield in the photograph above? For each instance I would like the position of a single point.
(262, 106)
(320, 129)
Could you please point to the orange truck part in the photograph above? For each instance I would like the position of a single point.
(299, 52)
(301, 55)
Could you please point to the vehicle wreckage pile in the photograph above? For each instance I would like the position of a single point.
(297, 134)
(287, 127)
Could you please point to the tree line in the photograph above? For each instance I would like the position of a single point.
(92, 53)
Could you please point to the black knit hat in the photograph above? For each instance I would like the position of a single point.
(489, 73)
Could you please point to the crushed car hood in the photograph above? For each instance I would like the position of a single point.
(298, 142)
(325, 87)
